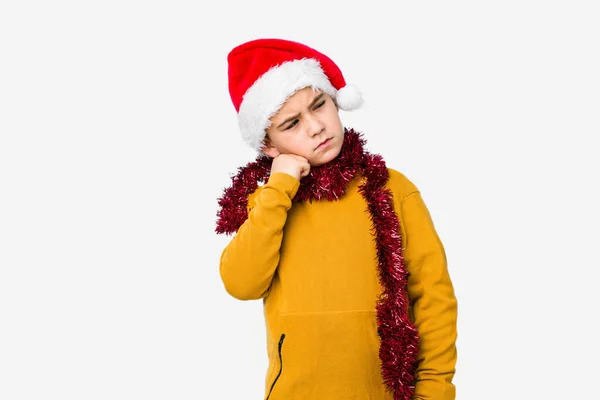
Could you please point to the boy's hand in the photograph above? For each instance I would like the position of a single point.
(291, 164)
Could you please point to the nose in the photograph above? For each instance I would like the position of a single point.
(315, 125)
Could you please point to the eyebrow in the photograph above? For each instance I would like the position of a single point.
(293, 117)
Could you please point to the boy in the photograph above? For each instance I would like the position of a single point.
(357, 297)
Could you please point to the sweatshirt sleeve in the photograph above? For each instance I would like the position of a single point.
(249, 261)
(433, 302)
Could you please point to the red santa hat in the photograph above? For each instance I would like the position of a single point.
(264, 73)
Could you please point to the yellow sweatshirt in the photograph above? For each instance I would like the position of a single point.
(315, 267)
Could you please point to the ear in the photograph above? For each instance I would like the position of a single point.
(269, 149)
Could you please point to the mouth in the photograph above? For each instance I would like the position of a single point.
(324, 143)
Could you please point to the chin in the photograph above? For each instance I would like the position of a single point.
(325, 158)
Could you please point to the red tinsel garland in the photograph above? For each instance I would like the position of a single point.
(399, 338)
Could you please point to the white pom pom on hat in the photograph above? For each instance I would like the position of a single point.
(264, 73)
(348, 98)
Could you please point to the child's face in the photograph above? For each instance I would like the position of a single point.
(304, 121)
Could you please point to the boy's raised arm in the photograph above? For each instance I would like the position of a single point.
(249, 261)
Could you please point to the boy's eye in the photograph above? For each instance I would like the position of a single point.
(319, 105)
(290, 126)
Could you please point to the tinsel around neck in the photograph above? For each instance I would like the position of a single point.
(326, 182)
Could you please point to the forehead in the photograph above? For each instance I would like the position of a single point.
(300, 99)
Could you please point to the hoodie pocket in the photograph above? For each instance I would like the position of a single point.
(279, 347)
(331, 355)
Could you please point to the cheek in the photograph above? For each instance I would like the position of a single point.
(296, 146)
(333, 119)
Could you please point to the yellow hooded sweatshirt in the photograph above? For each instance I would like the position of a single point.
(314, 264)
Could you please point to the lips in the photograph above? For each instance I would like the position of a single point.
(323, 143)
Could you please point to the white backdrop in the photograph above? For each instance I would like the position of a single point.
(118, 135)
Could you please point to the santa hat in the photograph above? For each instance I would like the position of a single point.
(264, 73)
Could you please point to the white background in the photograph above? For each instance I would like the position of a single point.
(118, 135)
